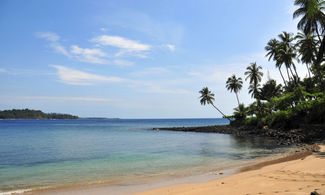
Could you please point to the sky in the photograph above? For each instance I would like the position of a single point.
(134, 59)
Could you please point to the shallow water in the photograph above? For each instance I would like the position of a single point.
(41, 153)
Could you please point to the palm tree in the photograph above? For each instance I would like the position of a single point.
(234, 84)
(255, 76)
(240, 112)
(312, 16)
(272, 49)
(207, 97)
(254, 90)
(312, 21)
(286, 56)
(307, 48)
(286, 52)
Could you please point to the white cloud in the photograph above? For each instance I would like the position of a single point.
(50, 36)
(88, 55)
(150, 71)
(127, 46)
(158, 89)
(53, 38)
(60, 49)
(123, 63)
(94, 56)
(120, 42)
(76, 77)
(60, 98)
(170, 47)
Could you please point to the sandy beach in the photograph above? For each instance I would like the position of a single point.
(301, 176)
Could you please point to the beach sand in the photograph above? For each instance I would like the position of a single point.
(301, 176)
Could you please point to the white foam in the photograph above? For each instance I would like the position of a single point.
(15, 192)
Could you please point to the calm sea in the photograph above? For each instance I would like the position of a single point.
(42, 153)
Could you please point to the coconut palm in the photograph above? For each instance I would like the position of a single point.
(272, 49)
(312, 16)
(234, 84)
(307, 47)
(286, 56)
(207, 97)
(312, 21)
(255, 76)
(287, 53)
(240, 112)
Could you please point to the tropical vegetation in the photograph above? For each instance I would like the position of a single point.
(32, 114)
(301, 98)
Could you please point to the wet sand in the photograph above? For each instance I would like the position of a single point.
(301, 176)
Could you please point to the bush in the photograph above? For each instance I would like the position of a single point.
(252, 121)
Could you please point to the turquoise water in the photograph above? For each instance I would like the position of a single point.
(42, 153)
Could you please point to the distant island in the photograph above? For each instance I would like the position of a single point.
(32, 114)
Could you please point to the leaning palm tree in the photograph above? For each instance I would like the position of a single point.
(234, 84)
(207, 97)
(255, 76)
(272, 49)
(307, 47)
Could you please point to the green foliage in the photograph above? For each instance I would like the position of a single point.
(240, 112)
(32, 114)
(269, 90)
(252, 121)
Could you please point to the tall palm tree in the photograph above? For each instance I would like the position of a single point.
(312, 16)
(286, 56)
(207, 97)
(287, 53)
(255, 76)
(313, 21)
(234, 84)
(272, 49)
(307, 47)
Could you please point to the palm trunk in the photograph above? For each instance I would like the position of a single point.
(288, 74)
(220, 112)
(285, 83)
(295, 79)
(320, 40)
(237, 99)
(308, 70)
(294, 68)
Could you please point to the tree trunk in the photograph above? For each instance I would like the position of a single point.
(237, 99)
(285, 83)
(308, 70)
(294, 68)
(320, 56)
(320, 40)
(220, 111)
(288, 74)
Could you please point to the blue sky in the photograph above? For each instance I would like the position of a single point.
(133, 59)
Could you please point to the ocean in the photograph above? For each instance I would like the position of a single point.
(49, 153)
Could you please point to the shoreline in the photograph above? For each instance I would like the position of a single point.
(296, 174)
(136, 185)
(301, 135)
